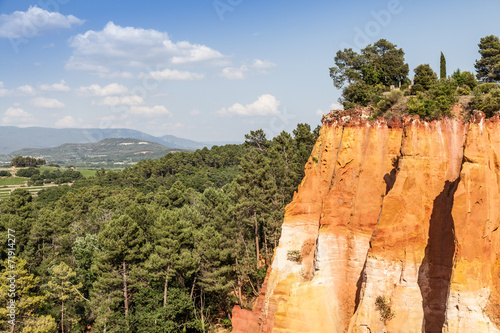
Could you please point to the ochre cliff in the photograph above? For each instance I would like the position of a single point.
(405, 209)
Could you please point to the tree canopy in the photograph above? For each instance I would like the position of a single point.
(27, 161)
(425, 78)
(381, 63)
(168, 245)
(488, 67)
(377, 76)
(378, 66)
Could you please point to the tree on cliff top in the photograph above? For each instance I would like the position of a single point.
(488, 67)
(348, 68)
(387, 60)
(378, 66)
(380, 63)
(425, 78)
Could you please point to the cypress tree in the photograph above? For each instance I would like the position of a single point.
(442, 67)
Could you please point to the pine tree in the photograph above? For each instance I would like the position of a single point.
(63, 290)
(425, 78)
(124, 250)
(442, 67)
(173, 239)
(250, 190)
(214, 270)
(488, 67)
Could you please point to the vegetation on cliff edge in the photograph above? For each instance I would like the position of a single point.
(378, 76)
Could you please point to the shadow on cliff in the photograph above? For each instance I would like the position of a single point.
(389, 179)
(434, 274)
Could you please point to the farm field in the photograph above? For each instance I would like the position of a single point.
(13, 181)
(9, 184)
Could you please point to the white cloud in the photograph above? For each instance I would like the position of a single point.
(262, 64)
(3, 92)
(194, 112)
(19, 91)
(61, 86)
(121, 101)
(110, 89)
(195, 53)
(68, 121)
(17, 116)
(238, 73)
(172, 74)
(16, 113)
(265, 105)
(34, 22)
(146, 111)
(25, 90)
(169, 127)
(117, 74)
(47, 103)
(98, 52)
(232, 73)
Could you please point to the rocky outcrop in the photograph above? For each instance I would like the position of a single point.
(404, 210)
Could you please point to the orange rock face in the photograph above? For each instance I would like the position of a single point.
(407, 210)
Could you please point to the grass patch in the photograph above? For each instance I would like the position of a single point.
(13, 181)
(87, 172)
(42, 169)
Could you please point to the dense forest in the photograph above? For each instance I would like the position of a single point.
(167, 245)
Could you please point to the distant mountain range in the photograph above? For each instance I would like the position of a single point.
(15, 138)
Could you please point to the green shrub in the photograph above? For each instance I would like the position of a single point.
(389, 100)
(485, 88)
(489, 103)
(464, 90)
(464, 79)
(436, 102)
(5, 173)
(422, 106)
(27, 172)
(361, 94)
(416, 88)
(294, 255)
(383, 307)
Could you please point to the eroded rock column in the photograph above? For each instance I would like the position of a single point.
(473, 298)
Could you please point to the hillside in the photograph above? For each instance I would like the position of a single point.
(16, 138)
(105, 152)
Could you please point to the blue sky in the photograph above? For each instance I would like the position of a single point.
(209, 69)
